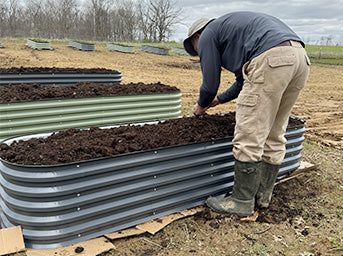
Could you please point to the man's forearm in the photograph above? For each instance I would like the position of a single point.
(231, 93)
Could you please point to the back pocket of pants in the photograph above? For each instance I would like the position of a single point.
(279, 61)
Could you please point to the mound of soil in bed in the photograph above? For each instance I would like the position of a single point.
(21, 70)
(29, 92)
(75, 145)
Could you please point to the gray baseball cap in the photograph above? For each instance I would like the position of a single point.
(196, 26)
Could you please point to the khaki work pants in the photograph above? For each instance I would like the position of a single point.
(272, 83)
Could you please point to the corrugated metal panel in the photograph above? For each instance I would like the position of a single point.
(59, 78)
(53, 115)
(65, 204)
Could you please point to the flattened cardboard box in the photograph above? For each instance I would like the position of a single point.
(11, 240)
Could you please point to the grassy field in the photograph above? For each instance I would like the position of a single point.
(323, 54)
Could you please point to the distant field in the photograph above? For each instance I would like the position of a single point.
(324, 54)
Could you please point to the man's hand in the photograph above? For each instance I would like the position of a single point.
(214, 103)
(198, 110)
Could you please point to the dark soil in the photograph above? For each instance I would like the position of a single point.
(22, 70)
(288, 202)
(75, 145)
(29, 92)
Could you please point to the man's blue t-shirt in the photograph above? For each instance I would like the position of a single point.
(229, 42)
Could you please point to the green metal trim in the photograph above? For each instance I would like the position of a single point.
(53, 115)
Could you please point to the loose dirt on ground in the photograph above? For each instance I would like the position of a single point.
(306, 213)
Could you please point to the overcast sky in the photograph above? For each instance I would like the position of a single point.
(310, 19)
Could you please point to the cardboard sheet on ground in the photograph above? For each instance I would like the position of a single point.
(11, 240)
(304, 167)
(155, 225)
(89, 247)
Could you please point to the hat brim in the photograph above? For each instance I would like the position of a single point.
(187, 43)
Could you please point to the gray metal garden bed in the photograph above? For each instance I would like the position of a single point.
(38, 45)
(120, 48)
(155, 50)
(19, 118)
(179, 51)
(82, 46)
(59, 78)
(65, 204)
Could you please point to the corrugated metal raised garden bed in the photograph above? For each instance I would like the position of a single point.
(120, 48)
(80, 45)
(57, 76)
(38, 44)
(179, 51)
(34, 108)
(115, 178)
(155, 49)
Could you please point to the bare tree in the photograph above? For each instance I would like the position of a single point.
(125, 26)
(163, 16)
(98, 13)
(66, 17)
(145, 22)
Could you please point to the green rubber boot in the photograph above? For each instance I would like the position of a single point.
(269, 173)
(242, 200)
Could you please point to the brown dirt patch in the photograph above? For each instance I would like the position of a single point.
(191, 65)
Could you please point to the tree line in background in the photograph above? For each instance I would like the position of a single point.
(107, 20)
